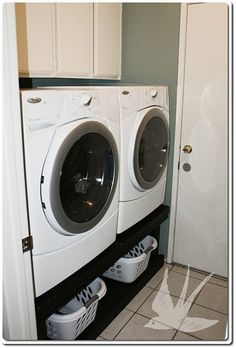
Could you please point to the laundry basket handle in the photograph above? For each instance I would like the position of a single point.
(150, 248)
(93, 299)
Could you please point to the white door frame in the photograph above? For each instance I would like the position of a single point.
(178, 128)
(19, 320)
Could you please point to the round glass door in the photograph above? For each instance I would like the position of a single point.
(84, 177)
(151, 149)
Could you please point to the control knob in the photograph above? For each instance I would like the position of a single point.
(85, 99)
(153, 93)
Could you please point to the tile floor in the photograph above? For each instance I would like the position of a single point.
(210, 303)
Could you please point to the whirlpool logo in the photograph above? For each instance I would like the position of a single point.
(170, 316)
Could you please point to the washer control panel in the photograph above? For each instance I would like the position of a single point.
(80, 99)
(79, 104)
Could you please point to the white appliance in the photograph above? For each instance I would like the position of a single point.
(71, 140)
(144, 139)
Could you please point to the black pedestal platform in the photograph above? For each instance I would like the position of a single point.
(118, 294)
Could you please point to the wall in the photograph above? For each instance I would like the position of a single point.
(150, 56)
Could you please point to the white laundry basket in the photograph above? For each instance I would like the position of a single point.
(76, 315)
(134, 263)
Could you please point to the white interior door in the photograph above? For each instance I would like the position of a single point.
(201, 216)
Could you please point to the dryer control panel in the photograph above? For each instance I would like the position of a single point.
(153, 95)
(134, 98)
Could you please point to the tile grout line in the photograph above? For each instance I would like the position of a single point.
(173, 295)
(198, 294)
(214, 310)
(134, 312)
(192, 276)
(199, 271)
(161, 279)
(141, 316)
(169, 270)
(173, 328)
(102, 338)
(144, 316)
(187, 333)
(123, 326)
(194, 302)
(190, 334)
(168, 267)
(174, 335)
(222, 286)
(142, 302)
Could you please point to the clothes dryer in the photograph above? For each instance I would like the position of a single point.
(71, 142)
(144, 139)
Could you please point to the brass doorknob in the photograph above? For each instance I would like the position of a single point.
(187, 149)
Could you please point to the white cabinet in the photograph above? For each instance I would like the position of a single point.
(35, 39)
(107, 39)
(74, 39)
(69, 39)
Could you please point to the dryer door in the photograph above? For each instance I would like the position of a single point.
(151, 149)
(78, 183)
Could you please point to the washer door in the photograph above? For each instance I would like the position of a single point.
(150, 152)
(81, 179)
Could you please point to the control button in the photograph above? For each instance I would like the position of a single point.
(153, 93)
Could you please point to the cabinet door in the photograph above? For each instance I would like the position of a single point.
(74, 39)
(34, 23)
(107, 39)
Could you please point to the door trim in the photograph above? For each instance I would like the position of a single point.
(19, 319)
(178, 128)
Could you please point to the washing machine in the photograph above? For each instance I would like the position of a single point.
(144, 140)
(71, 145)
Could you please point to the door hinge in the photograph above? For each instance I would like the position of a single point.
(178, 165)
(27, 244)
